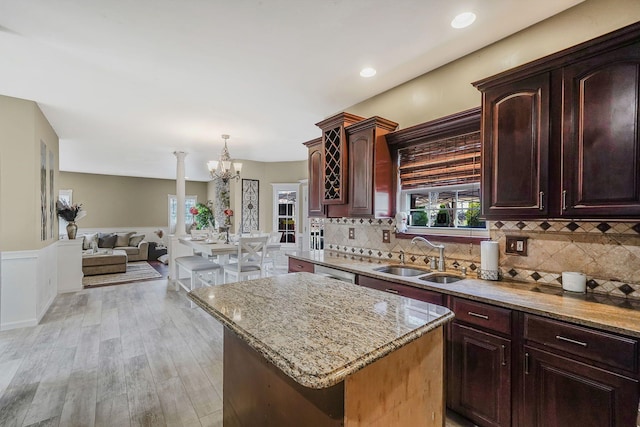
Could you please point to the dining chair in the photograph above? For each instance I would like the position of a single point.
(250, 262)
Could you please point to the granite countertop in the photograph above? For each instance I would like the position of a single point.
(607, 313)
(318, 330)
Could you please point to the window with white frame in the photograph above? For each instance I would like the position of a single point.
(440, 186)
(189, 202)
(285, 211)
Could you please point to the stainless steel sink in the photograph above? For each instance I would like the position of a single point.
(443, 278)
(398, 270)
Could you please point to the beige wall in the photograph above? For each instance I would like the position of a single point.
(448, 89)
(122, 201)
(267, 174)
(22, 127)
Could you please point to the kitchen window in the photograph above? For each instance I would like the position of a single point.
(440, 186)
(445, 210)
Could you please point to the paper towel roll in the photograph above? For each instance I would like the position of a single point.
(489, 254)
(574, 281)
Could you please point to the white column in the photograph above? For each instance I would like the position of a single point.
(176, 249)
(180, 192)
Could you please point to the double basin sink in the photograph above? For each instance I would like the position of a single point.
(426, 275)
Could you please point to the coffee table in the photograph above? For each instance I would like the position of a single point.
(104, 262)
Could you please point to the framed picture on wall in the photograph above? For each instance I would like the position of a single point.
(250, 205)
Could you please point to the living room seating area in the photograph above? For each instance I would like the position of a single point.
(105, 253)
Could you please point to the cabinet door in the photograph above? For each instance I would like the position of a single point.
(361, 173)
(515, 152)
(480, 376)
(560, 392)
(335, 166)
(316, 187)
(601, 135)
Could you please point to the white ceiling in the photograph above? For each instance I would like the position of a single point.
(126, 83)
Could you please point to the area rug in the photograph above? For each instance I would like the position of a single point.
(136, 271)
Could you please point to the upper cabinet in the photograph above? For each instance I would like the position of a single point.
(601, 135)
(336, 157)
(316, 184)
(370, 169)
(350, 168)
(561, 135)
(515, 149)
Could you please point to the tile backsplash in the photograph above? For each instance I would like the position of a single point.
(608, 252)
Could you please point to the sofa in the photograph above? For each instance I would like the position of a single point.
(134, 245)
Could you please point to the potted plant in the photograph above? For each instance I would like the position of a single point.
(70, 213)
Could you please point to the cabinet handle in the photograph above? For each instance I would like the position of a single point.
(502, 356)
(393, 291)
(526, 363)
(569, 340)
(541, 200)
(482, 316)
(564, 200)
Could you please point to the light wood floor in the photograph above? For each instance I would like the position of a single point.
(124, 355)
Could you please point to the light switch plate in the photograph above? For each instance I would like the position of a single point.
(386, 236)
(516, 245)
(352, 233)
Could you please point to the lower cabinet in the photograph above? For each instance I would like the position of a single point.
(479, 376)
(296, 265)
(560, 392)
(403, 290)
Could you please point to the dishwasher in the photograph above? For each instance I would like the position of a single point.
(334, 274)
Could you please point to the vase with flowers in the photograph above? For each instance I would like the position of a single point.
(70, 213)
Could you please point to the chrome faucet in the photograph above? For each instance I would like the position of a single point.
(439, 247)
(401, 257)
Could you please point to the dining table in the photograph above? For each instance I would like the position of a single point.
(217, 249)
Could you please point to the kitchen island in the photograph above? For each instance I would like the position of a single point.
(302, 349)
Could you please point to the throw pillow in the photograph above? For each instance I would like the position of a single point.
(107, 240)
(136, 239)
(88, 239)
(122, 239)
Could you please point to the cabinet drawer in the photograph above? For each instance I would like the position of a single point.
(596, 345)
(296, 265)
(485, 315)
(403, 290)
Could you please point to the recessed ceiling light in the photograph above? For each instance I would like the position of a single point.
(368, 72)
(463, 20)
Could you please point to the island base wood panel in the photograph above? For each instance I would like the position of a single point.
(403, 388)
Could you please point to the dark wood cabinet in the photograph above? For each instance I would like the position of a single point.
(371, 189)
(515, 150)
(335, 157)
(561, 392)
(601, 135)
(403, 290)
(295, 265)
(479, 370)
(480, 376)
(316, 185)
(561, 135)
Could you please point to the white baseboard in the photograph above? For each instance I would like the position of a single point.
(19, 324)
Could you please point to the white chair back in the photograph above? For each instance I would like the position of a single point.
(251, 251)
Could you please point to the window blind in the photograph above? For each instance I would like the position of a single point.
(444, 162)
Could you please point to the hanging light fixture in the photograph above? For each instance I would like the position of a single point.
(221, 169)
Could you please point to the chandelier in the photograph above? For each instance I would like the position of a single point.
(221, 169)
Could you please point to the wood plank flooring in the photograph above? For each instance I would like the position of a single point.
(125, 355)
